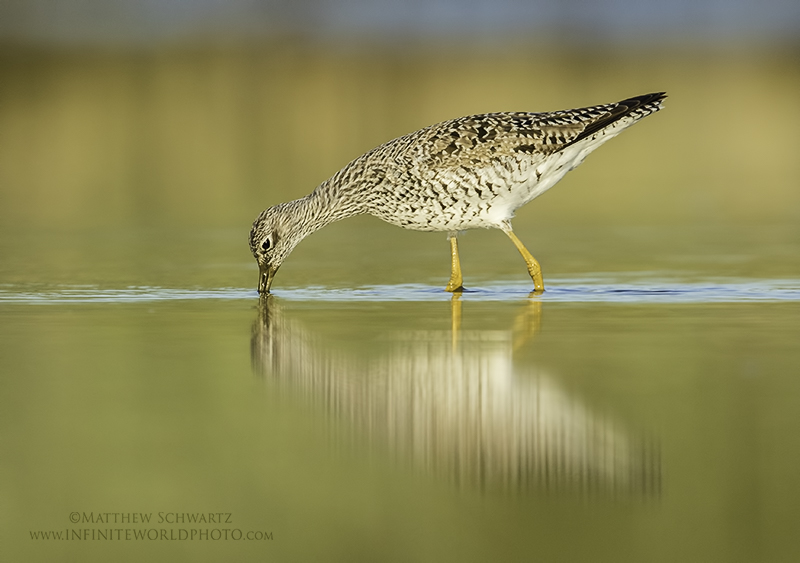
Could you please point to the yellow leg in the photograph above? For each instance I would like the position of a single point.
(455, 283)
(534, 269)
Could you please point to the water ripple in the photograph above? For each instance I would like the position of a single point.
(580, 290)
(84, 294)
(575, 291)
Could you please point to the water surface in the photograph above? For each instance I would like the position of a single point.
(575, 290)
(644, 412)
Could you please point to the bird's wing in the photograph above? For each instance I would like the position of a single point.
(479, 140)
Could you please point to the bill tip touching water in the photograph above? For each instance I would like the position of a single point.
(465, 173)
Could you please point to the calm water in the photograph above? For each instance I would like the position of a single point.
(645, 408)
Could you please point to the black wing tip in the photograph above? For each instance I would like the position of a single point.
(638, 107)
(644, 100)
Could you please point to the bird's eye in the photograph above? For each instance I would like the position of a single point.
(266, 244)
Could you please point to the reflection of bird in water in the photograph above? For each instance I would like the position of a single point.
(457, 406)
(467, 173)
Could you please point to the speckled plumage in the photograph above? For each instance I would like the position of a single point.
(465, 173)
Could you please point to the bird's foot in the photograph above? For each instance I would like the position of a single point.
(454, 286)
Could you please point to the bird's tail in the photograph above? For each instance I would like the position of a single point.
(634, 108)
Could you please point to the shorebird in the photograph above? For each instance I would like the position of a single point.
(466, 173)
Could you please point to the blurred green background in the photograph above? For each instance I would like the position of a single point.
(209, 135)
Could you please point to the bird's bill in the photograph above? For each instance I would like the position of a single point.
(266, 274)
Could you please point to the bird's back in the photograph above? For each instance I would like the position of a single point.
(475, 171)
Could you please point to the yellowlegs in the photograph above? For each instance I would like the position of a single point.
(465, 173)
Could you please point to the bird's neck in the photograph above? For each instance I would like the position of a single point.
(323, 206)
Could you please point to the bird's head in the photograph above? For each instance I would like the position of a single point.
(274, 235)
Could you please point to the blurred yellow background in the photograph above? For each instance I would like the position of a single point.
(210, 135)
